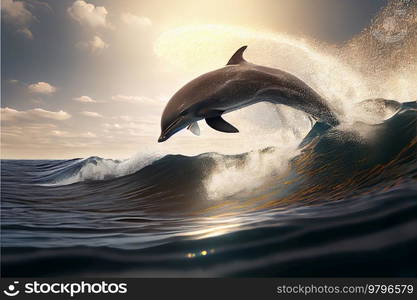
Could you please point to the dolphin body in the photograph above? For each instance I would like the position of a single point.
(235, 86)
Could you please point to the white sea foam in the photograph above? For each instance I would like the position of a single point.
(233, 176)
(100, 168)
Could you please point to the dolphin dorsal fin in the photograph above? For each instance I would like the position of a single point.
(237, 58)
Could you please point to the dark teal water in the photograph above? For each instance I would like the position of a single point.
(345, 207)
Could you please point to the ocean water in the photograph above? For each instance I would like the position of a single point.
(344, 203)
(345, 206)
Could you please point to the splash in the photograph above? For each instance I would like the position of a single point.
(236, 177)
(372, 65)
(385, 53)
(365, 67)
(97, 168)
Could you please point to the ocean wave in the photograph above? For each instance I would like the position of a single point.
(94, 168)
(332, 165)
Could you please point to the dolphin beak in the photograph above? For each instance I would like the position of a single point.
(172, 129)
(162, 138)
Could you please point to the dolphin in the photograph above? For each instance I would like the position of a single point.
(238, 84)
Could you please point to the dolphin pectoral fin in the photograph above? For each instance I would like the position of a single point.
(194, 128)
(218, 123)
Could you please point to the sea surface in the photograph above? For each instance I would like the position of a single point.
(346, 205)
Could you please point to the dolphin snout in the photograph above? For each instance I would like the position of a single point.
(165, 134)
(162, 138)
(173, 128)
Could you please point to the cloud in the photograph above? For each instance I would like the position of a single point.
(135, 99)
(14, 130)
(10, 114)
(26, 33)
(67, 134)
(88, 14)
(16, 13)
(123, 118)
(91, 114)
(126, 125)
(94, 46)
(42, 88)
(131, 19)
(46, 140)
(113, 125)
(85, 99)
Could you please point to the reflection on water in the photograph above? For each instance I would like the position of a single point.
(340, 194)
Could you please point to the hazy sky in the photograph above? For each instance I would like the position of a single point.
(83, 78)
